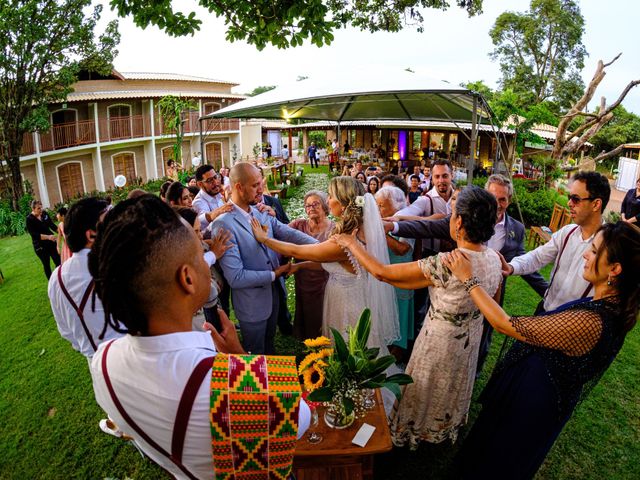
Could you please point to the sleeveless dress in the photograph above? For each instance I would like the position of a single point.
(444, 357)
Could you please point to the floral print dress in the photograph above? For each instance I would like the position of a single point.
(443, 362)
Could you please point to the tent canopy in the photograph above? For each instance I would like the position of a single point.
(360, 96)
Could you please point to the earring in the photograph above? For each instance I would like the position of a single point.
(609, 282)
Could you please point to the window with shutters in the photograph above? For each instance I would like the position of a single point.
(70, 180)
(211, 107)
(124, 164)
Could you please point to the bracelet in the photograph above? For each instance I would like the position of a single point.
(471, 283)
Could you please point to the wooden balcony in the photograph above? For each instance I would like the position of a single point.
(191, 125)
(83, 132)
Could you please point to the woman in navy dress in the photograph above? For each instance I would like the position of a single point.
(556, 359)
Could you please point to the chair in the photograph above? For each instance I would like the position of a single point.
(540, 235)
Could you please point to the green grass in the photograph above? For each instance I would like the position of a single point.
(49, 418)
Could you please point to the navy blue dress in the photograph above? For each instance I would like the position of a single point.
(536, 386)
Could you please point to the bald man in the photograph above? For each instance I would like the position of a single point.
(156, 381)
(253, 270)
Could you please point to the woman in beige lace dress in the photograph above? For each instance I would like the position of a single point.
(443, 362)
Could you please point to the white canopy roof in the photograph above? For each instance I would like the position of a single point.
(361, 95)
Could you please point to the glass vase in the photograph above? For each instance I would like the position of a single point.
(335, 416)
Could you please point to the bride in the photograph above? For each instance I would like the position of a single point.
(349, 289)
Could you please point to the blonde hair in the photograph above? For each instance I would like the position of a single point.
(345, 190)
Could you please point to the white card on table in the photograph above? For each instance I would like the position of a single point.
(363, 435)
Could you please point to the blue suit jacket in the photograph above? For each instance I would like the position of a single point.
(248, 264)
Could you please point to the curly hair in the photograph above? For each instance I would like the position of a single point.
(127, 256)
(478, 210)
(345, 190)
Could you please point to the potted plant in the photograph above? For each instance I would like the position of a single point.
(339, 376)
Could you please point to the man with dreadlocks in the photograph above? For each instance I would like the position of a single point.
(78, 313)
(151, 277)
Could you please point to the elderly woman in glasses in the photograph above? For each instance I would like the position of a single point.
(310, 278)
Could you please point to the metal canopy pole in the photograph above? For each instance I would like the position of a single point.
(474, 139)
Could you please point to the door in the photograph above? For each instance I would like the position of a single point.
(119, 121)
(213, 153)
(124, 164)
(70, 177)
(64, 128)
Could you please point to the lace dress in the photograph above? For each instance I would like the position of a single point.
(344, 298)
(443, 362)
(537, 385)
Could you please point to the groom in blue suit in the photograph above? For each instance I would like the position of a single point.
(252, 270)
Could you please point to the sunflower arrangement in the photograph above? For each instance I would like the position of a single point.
(337, 376)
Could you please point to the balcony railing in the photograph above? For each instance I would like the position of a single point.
(83, 132)
(122, 128)
(191, 125)
(67, 135)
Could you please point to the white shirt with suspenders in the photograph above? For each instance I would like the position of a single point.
(565, 250)
(71, 296)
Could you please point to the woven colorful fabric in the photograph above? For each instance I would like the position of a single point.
(254, 416)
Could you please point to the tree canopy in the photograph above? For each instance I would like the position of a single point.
(45, 45)
(288, 23)
(541, 52)
(260, 89)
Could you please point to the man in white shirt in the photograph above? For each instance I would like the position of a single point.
(437, 200)
(588, 196)
(71, 285)
(80, 320)
(141, 378)
(209, 202)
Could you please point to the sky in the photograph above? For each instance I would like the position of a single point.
(453, 47)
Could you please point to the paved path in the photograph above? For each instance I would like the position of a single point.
(615, 201)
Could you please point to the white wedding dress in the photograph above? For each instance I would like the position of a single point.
(347, 294)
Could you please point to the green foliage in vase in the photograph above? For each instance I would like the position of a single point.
(355, 365)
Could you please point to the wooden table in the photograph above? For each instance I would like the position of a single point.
(335, 457)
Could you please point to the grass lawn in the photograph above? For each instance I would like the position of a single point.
(50, 420)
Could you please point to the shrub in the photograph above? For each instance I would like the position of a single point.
(536, 202)
(14, 222)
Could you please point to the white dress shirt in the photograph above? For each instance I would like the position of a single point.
(148, 375)
(204, 203)
(496, 242)
(568, 283)
(76, 279)
(422, 208)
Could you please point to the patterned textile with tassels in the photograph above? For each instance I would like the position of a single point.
(255, 401)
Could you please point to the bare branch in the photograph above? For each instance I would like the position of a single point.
(612, 153)
(616, 58)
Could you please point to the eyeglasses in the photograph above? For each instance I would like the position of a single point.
(577, 199)
(210, 180)
(312, 205)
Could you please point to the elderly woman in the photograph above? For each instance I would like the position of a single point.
(443, 361)
(390, 200)
(310, 277)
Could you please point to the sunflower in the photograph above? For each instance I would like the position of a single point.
(314, 357)
(313, 378)
(317, 342)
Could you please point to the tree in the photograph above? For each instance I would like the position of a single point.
(568, 143)
(45, 45)
(172, 110)
(541, 52)
(623, 128)
(261, 89)
(288, 23)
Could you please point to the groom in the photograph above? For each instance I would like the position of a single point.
(253, 270)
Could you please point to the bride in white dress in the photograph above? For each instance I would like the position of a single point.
(349, 289)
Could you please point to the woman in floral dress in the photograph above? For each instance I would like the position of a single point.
(443, 362)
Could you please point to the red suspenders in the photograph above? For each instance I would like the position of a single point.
(79, 309)
(182, 415)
